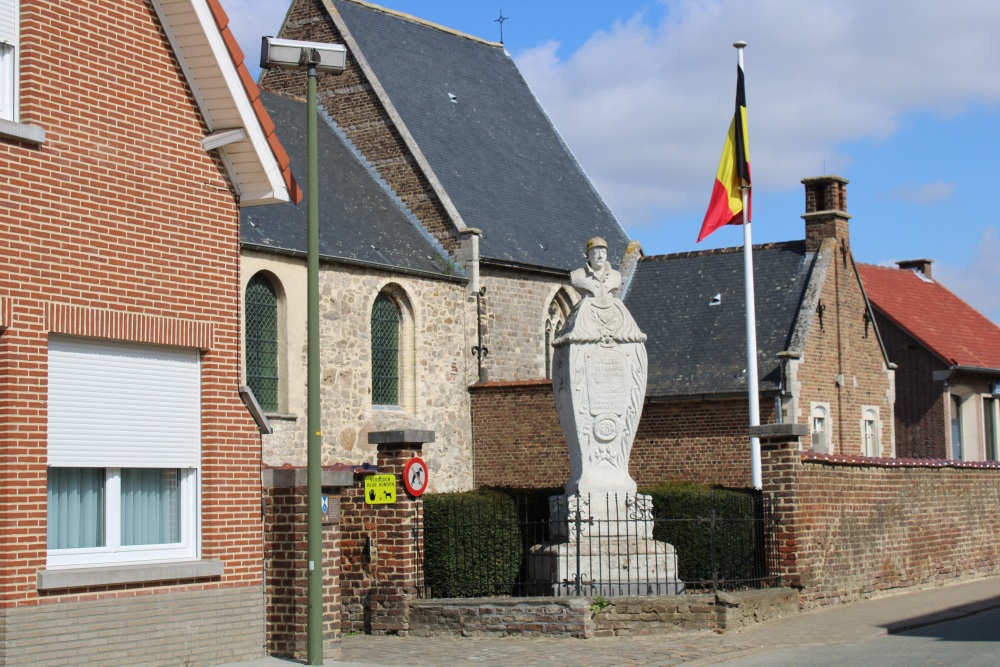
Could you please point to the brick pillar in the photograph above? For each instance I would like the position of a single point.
(826, 211)
(781, 465)
(398, 555)
(286, 493)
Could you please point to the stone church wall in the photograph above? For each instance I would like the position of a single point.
(437, 366)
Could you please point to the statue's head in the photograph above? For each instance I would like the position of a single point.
(597, 252)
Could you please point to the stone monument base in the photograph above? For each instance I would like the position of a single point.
(604, 546)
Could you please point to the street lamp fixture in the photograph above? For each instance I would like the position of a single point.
(313, 57)
(295, 54)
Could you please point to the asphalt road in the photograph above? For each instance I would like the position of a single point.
(973, 641)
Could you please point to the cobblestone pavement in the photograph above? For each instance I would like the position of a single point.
(640, 651)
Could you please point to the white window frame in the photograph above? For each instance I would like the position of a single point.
(114, 553)
(9, 53)
(823, 442)
(95, 423)
(991, 403)
(871, 430)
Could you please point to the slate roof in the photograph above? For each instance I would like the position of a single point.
(361, 222)
(497, 155)
(697, 349)
(947, 326)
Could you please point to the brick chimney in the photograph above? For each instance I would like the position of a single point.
(921, 265)
(826, 211)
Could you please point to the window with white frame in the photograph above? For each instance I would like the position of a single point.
(957, 432)
(991, 418)
(820, 428)
(9, 20)
(124, 453)
(870, 428)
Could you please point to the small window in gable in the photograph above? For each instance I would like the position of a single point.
(261, 313)
(870, 428)
(820, 428)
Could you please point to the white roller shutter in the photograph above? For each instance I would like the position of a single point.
(8, 22)
(120, 405)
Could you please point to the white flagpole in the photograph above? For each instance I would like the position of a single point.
(752, 389)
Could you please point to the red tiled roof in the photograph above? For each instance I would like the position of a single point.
(253, 93)
(948, 326)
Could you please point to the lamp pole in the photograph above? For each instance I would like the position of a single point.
(314, 57)
(314, 449)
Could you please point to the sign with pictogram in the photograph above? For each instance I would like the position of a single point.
(380, 489)
(415, 476)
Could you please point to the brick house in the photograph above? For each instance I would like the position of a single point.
(130, 135)
(820, 363)
(949, 364)
(462, 218)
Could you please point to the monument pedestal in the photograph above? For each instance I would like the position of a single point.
(604, 546)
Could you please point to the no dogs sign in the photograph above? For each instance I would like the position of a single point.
(415, 476)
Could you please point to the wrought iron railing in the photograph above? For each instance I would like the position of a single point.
(521, 544)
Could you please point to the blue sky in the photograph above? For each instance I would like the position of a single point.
(900, 97)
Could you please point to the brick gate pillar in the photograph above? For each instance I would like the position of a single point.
(397, 538)
(781, 463)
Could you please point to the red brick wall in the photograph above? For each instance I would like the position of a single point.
(518, 441)
(843, 346)
(121, 214)
(851, 527)
(921, 421)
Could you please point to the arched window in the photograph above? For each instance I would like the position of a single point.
(820, 428)
(261, 308)
(555, 319)
(385, 351)
(870, 432)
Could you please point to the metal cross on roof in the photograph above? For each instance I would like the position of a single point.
(500, 21)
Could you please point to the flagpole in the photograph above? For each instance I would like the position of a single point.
(752, 389)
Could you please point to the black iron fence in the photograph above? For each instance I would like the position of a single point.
(523, 543)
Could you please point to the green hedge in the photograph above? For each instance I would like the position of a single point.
(684, 513)
(472, 544)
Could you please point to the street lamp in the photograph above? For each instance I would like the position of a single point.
(313, 57)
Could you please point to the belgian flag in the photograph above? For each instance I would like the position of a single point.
(726, 205)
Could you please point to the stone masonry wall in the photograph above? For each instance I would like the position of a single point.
(852, 528)
(439, 367)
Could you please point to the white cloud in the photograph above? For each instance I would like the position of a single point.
(976, 281)
(923, 195)
(646, 107)
(250, 20)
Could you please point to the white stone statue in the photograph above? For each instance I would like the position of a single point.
(601, 529)
(599, 379)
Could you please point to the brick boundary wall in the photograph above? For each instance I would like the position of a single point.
(518, 442)
(195, 628)
(576, 617)
(852, 528)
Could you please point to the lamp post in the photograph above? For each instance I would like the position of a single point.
(314, 57)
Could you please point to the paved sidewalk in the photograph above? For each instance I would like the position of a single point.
(848, 622)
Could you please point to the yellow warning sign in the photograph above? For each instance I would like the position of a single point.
(380, 489)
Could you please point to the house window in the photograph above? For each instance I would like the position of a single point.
(870, 426)
(956, 428)
(261, 307)
(990, 419)
(9, 20)
(124, 453)
(821, 428)
(385, 326)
